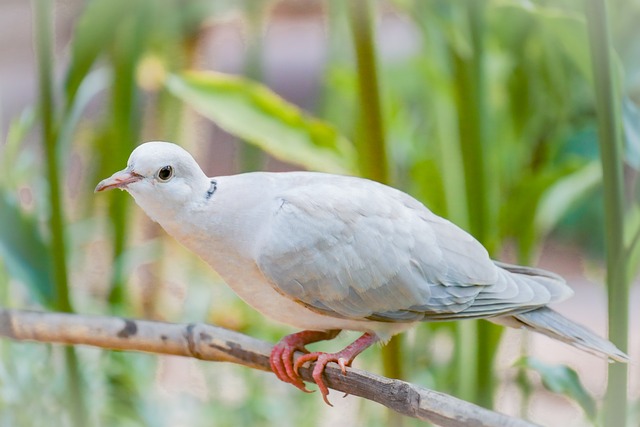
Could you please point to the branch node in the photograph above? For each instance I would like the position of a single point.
(190, 336)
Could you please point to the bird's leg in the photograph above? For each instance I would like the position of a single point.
(281, 358)
(343, 358)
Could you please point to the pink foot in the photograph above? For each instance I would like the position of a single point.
(281, 358)
(343, 358)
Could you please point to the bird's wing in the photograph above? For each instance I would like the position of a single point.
(357, 249)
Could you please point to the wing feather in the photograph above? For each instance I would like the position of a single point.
(369, 251)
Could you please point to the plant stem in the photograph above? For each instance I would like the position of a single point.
(251, 158)
(466, 367)
(609, 121)
(125, 126)
(471, 106)
(43, 36)
(370, 145)
(43, 46)
(471, 121)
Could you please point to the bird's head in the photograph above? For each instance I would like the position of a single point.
(161, 177)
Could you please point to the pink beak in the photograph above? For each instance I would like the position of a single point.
(118, 180)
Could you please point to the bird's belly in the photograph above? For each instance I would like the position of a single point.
(251, 285)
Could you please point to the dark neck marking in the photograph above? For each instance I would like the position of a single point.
(212, 189)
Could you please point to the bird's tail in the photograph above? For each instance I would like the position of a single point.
(552, 324)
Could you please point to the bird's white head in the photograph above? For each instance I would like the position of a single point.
(161, 177)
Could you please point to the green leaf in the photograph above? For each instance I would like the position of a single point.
(632, 240)
(562, 29)
(10, 159)
(561, 196)
(563, 380)
(94, 32)
(90, 86)
(254, 113)
(24, 252)
(631, 123)
(536, 203)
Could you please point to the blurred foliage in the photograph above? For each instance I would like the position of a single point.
(564, 380)
(488, 117)
(18, 244)
(277, 127)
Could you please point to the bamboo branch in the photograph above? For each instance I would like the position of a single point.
(211, 343)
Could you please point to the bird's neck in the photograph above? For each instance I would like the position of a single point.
(223, 224)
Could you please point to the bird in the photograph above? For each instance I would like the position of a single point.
(326, 253)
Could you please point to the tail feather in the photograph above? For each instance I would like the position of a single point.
(552, 324)
(553, 283)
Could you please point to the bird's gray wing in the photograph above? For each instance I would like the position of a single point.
(360, 250)
(357, 249)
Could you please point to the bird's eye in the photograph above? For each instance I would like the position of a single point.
(165, 173)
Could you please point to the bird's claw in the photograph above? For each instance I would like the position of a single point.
(283, 365)
(321, 360)
(281, 358)
(343, 365)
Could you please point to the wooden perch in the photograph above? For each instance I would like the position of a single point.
(212, 343)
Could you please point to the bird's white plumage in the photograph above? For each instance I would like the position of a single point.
(321, 251)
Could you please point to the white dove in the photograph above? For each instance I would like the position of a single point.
(326, 253)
